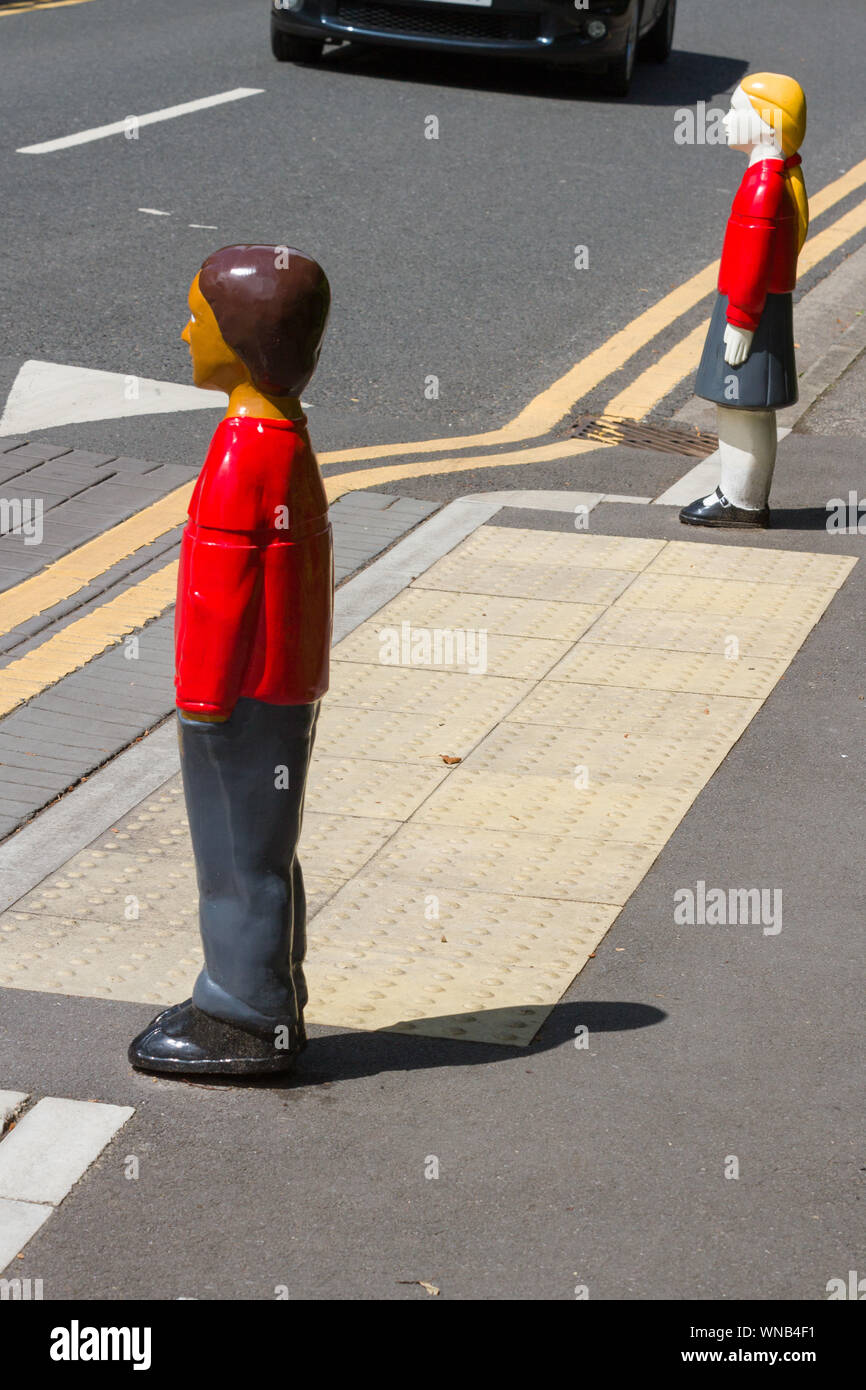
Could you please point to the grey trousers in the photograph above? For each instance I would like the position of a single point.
(244, 783)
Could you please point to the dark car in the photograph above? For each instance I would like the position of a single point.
(599, 36)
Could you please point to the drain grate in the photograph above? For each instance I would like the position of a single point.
(669, 439)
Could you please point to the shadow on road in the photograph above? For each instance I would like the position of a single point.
(799, 518)
(338, 1056)
(685, 79)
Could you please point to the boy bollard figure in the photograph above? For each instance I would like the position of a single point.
(252, 640)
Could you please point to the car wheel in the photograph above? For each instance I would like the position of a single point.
(292, 48)
(660, 40)
(617, 79)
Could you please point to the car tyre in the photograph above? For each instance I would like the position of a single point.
(617, 79)
(660, 40)
(293, 48)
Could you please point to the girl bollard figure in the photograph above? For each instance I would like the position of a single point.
(748, 366)
(252, 641)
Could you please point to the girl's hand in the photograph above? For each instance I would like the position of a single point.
(738, 345)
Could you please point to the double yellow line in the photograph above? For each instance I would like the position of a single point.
(23, 5)
(85, 638)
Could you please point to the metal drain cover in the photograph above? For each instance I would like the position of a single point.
(668, 439)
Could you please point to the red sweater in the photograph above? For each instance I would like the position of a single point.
(255, 586)
(759, 256)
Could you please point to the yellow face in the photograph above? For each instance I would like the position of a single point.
(214, 366)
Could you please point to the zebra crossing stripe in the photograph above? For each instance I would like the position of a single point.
(43, 1157)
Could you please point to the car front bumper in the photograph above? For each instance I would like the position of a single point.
(554, 31)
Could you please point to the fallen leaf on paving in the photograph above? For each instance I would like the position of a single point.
(447, 758)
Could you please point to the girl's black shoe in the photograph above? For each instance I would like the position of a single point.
(716, 510)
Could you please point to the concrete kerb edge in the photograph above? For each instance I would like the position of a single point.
(47, 842)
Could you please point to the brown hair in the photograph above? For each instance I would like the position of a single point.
(271, 304)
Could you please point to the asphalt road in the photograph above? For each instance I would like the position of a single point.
(451, 257)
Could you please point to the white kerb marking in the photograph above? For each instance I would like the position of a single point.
(55, 1143)
(168, 113)
(19, 1222)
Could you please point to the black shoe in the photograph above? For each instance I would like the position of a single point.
(716, 510)
(183, 1039)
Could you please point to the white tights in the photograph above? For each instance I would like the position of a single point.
(747, 445)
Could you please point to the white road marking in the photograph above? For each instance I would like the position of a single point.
(10, 1103)
(19, 1222)
(206, 226)
(700, 481)
(53, 1146)
(45, 394)
(155, 212)
(168, 113)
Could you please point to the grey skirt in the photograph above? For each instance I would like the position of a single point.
(767, 380)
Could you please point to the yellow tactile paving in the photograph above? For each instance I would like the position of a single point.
(464, 858)
(596, 757)
(645, 709)
(646, 669)
(396, 736)
(140, 961)
(550, 805)
(474, 652)
(514, 545)
(504, 1005)
(419, 690)
(482, 951)
(731, 598)
(460, 899)
(367, 787)
(695, 632)
(567, 583)
(750, 564)
(372, 913)
(510, 617)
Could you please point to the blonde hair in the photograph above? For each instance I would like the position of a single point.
(781, 104)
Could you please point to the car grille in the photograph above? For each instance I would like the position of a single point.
(441, 21)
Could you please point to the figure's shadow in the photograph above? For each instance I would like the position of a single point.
(337, 1056)
(799, 519)
(685, 79)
